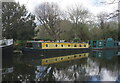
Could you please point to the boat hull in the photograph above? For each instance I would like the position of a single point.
(107, 48)
(53, 51)
(6, 51)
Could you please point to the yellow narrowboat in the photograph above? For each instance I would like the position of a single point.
(42, 47)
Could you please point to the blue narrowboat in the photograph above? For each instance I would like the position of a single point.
(104, 44)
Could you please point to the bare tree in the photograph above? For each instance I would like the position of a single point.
(116, 12)
(77, 15)
(102, 18)
(114, 16)
(49, 16)
(107, 27)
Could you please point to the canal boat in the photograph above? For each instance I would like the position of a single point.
(38, 47)
(104, 44)
(6, 45)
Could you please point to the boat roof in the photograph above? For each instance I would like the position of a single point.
(108, 39)
(53, 42)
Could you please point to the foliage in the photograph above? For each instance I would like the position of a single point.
(19, 44)
(77, 25)
(17, 22)
(49, 16)
(76, 40)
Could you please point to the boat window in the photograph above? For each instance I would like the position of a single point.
(46, 45)
(79, 55)
(68, 57)
(46, 61)
(56, 45)
(75, 56)
(84, 45)
(100, 43)
(94, 43)
(89, 42)
(61, 58)
(80, 45)
(56, 59)
(117, 44)
(68, 45)
(75, 45)
(61, 45)
(104, 43)
(29, 45)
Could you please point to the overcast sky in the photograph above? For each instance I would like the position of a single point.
(94, 6)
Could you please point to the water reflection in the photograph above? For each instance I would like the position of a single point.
(63, 58)
(106, 63)
(40, 72)
(7, 70)
(92, 66)
(105, 54)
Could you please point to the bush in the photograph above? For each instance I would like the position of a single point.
(19, 44)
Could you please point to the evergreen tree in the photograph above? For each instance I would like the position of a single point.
(17, 22)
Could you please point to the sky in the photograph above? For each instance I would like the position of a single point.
(94, 6)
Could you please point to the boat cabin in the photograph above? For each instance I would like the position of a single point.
(55, 45)
(109, 43)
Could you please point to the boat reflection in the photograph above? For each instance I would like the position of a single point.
(106, 54)
(7, 65)
(51, 59)
(49, 64)
(37, 68)
(94, 66)
(106, 65)
(7, 70)
(64, 58)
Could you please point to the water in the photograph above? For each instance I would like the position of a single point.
(92, 66)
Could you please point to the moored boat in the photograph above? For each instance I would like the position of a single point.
(104, 44)
(6, 47)
(38, 47)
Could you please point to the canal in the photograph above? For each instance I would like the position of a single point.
(87, 66)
